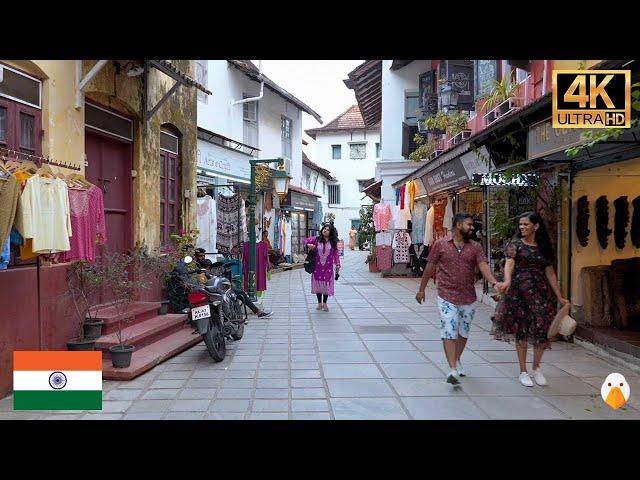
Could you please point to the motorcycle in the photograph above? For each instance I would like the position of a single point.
(215, 310)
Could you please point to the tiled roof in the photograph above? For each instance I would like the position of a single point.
(316, 167)
(350, 119)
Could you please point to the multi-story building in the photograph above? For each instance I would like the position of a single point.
(349, 149)
(249, 116)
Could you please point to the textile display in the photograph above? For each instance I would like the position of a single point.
(87, 222)
(447, 220)
(384, 257)
(381, 216)
(384, 238)
(228, 214)
(262, 265)
(9, 197)
(401, 244)
(418, 220)
(207, 223)
(428, 229)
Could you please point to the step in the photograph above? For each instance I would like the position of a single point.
(145, 358)
(135, 313)
(143, 333)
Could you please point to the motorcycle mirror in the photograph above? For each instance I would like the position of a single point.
(188, 259)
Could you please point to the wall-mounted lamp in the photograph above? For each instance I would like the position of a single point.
(449, 97)
(131, 68)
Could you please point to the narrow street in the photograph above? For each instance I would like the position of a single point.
(375, 355)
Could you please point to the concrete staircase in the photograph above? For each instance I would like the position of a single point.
(156, 338)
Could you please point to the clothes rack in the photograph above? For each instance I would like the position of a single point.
(237, 256)
(39, 159)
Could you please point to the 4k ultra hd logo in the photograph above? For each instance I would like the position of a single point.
(591, 98)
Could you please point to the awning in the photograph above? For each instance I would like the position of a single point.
(366, 82)
(374, 191)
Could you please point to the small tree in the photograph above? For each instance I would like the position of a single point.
(84, 280)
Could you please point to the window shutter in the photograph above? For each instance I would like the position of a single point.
(405, 140)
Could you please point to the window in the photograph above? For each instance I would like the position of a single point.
(108, 122)
(308, 180)
(336, 152)
(250, 122)
(378, 150)
(358, 151)
(411, 106)
(20, 87)
(20, 127)
(285, 128)
(324, 187)
(201, 78)
(334, 194)
(170, 205)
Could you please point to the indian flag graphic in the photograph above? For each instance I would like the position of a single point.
(57, 380)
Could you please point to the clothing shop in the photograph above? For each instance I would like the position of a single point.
(297, 214)
(433, 194)
(223, 178)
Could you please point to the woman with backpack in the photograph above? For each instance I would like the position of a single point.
(326, 256)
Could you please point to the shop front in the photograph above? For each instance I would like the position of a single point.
(298, 210)
(223, 177)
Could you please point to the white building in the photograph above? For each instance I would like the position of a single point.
(349, 149)
(269, 127)
(231, 133)
(316, 179)
(388, 94)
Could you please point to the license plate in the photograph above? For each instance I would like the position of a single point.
(200, 312)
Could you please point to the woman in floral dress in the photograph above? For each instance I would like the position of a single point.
(327, 255)
(526, 311)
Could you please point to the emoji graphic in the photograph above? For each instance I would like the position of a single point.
(615, 390)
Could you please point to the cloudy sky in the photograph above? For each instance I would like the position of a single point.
(318, 83)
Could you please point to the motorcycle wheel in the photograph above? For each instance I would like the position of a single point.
(214, 340)
(238, 335)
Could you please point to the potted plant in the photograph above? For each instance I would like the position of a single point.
(500, 92)
(83, 281)
(457, 122)
(371, 260)
(126, 275)
(437, 124)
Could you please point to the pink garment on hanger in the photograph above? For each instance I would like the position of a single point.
(87, 222)
(381, 216)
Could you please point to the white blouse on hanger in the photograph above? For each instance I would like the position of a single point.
(44, 214)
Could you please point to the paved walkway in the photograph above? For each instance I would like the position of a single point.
(376, 355)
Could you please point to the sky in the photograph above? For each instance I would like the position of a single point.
(318, 83)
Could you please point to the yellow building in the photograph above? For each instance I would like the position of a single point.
(144, 160)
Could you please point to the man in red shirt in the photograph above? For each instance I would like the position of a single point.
(456, 257)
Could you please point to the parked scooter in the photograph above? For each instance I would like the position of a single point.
(216, 311)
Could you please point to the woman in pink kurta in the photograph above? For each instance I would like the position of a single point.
(327, 255)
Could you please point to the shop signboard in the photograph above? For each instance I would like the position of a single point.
(451, 175)
(301, 201)
(544, 140)
(501, 180)
(217, 159)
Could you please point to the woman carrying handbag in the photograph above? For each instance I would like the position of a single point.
(327, 255)
(526, 310)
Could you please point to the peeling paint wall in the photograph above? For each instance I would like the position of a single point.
(64, 138)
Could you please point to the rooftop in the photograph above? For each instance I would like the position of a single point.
(351, 119)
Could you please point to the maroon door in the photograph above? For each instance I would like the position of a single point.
(109, 167)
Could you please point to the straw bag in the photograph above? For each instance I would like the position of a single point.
(562, 323)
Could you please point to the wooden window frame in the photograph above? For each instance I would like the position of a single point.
(170, 226)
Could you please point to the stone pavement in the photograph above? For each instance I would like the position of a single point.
(376, 354)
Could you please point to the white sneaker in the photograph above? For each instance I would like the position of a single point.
(538, 377)
(525, 379)
(460, 369)
(453, 378)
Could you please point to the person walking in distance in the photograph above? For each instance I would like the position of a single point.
(352, 238)
(454, 259)
(327, 255)
(526, 309)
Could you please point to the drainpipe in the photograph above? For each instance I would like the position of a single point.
(253, 99)
(81, 83)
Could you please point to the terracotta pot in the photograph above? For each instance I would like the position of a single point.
(373, 268)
